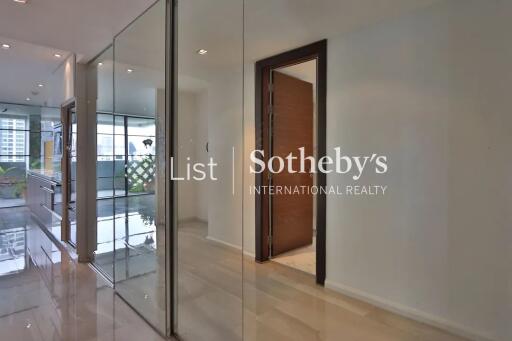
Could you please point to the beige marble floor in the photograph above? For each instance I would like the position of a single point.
(279, 303)
(52, 297)
(303, 259)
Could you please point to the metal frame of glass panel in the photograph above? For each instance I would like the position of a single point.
(121, 211)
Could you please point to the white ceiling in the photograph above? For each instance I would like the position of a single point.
(87, 26)
(41, 28)
(23, 67)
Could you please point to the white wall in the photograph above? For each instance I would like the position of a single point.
(187, 116)
(193, 134)
(201, 155)
(61, 84)
(431, 90)
(225, 117)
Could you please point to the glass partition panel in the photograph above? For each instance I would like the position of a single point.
(209, 208)
(102, 69)
(140, 243)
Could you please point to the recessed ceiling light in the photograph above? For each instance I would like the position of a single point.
(129, 70)
(27, 99)
(20, 1)
(202, 51)
(57, 55)
(6, 46)
(100, 64)
(40, 85)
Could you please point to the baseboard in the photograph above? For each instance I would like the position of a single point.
(408, 312)
(250, 254)
(191, 220)
(232, 246)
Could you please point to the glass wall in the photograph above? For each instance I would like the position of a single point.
(209, 207)
(139, 150)
(133, 245)
(101, 71)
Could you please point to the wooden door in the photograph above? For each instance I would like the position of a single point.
(292, 128)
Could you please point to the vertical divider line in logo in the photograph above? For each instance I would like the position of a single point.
(233, 171)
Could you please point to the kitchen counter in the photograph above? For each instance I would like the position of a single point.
(47, 174)
(44, 199)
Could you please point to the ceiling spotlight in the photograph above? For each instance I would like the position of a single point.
(129, 70)
(27, 99)
(6, 46)
(20, 1)
(40, 85)
(202, 51)
(57, 55)
(100, 64)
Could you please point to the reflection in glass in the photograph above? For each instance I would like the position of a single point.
(26, 143)
(13, 246)
(209, 213)
(102, 69)
(139, 219)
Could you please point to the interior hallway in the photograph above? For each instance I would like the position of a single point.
(280, 303)
(49, 296)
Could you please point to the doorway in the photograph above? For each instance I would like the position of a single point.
(69, 137)
(290, 118)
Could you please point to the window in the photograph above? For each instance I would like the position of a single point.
(13, 140)
(26, 136)
(124, 159)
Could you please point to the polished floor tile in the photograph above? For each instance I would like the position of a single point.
(221, 296)
(278, 302)
(303, 259)
(55, 298)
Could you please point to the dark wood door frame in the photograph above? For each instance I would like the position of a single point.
(65, 112)
(315, 51)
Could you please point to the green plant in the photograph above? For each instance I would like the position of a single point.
(19, 189)
(137, 187)
(147, 219)
(6, 183)
(3, 171)
(36, 164)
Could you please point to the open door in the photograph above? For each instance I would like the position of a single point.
(290, 112)
(291, 129)
(69, 134)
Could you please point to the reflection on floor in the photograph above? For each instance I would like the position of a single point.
(280, 303)
(303, 259)
(12, 241)
(134, 267)
(15, 202)
(135, 236)
(209, 287)
(46, 295)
